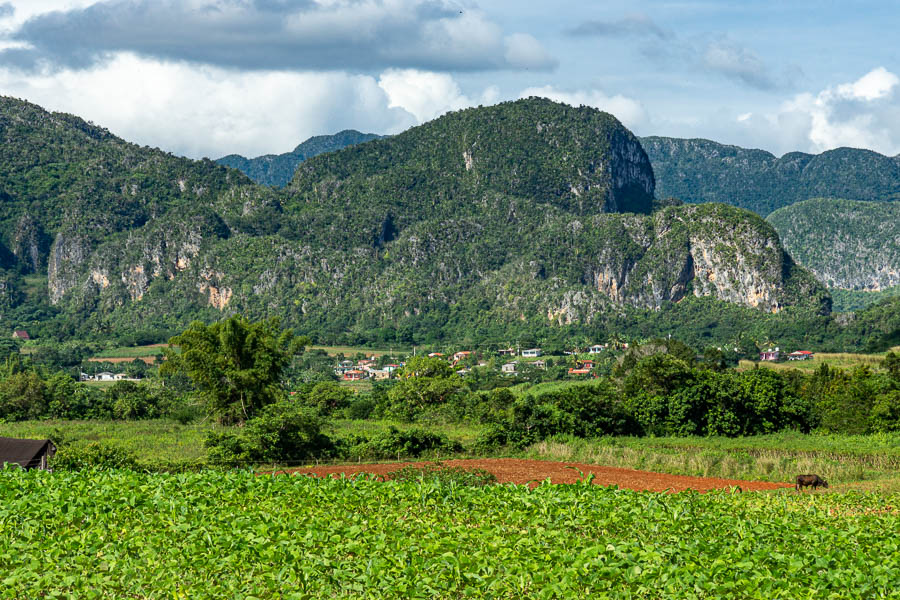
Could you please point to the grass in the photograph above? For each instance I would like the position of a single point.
(845, 361)
(344, 427)
(842, 460)
(351, 351)
(132, 351)
(151, 440)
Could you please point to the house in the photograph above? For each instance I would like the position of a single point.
(381, 374)
(509, 368)
(104, 376)
(507, 352)
(531, 353)
(801, 355)
(354, 375)
(461, 355)
(596, 349)
(28, 454)
(579, 371)
(770, 354)
(21, 334)
(391, 368)
(584, 364)
(435, 355)
(539, 364)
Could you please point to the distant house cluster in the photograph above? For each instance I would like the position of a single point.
(775, 355)
(107, 376)
(364, 369)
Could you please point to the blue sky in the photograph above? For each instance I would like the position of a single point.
(211, 77)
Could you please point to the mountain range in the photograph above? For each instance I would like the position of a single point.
(528, 218)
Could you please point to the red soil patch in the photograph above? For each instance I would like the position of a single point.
(533, 472)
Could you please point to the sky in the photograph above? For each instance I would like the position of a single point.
(214, 77)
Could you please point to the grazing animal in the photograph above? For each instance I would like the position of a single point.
(806, 480)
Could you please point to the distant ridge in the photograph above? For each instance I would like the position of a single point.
(698, 170)
(276, 170)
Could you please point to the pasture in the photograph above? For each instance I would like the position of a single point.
(841, 360)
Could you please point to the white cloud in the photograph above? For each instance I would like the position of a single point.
(209, 111)
(629, 111)
(862, 114)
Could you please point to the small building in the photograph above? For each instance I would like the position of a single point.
(509, 368)
(581, 371)
(507, 352)
(354, 375)
(770, 355)
(391, 368)
(539, 364)
(21, 334)
(28, 454)
(435, 355)
(801, 355)
(105, 376)
(596, 349)
(584, 364)
(462, 355)
(531, 353)
(381, 374)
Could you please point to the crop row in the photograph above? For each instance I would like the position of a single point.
(122, 534)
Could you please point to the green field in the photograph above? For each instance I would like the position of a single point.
(132, 351)
(845, 461)
(234, 534)
(351, 351)
(836, 360)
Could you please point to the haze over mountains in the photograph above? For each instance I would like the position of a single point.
(528, 217)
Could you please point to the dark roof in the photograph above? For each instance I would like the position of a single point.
(25, 453)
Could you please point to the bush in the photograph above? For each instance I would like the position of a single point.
(93, 456)
(281, 433)
(400, 444)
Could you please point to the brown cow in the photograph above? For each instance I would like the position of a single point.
(806, 480)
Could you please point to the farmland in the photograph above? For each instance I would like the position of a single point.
(836, 360)
(216, 534)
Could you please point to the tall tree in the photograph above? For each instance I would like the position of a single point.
(237, 365)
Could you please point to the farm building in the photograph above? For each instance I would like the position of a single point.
(28, 454)
(770, 354)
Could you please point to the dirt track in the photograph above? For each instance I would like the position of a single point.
(532, 472)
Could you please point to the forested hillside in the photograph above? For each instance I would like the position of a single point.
(277, 169)
(847, 244)
(527, 219)
(697, 170)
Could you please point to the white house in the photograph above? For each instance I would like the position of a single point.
(509, 367)
(596, 349)
(531, 353)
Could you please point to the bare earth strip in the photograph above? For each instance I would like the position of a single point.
(532, 472)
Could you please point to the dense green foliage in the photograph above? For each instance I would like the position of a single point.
(278, 169)
(236, 365)
(524, 220)
(847, 244)
(213, 535)
(697, 170)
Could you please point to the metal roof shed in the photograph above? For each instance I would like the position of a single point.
(28, 454)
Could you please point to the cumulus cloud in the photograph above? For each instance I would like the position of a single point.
(356, 35)
(862, 114)
(735, 61)
(627, 110)
(207, 111)
(632, 25)
(6, 10)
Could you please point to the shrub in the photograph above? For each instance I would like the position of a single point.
(400, 444)
(93, 456)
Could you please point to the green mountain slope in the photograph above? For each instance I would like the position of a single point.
(847, 244)
(697, 170)
(277, 169)
(529, 218)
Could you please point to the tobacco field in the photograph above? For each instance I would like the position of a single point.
(213, 534)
